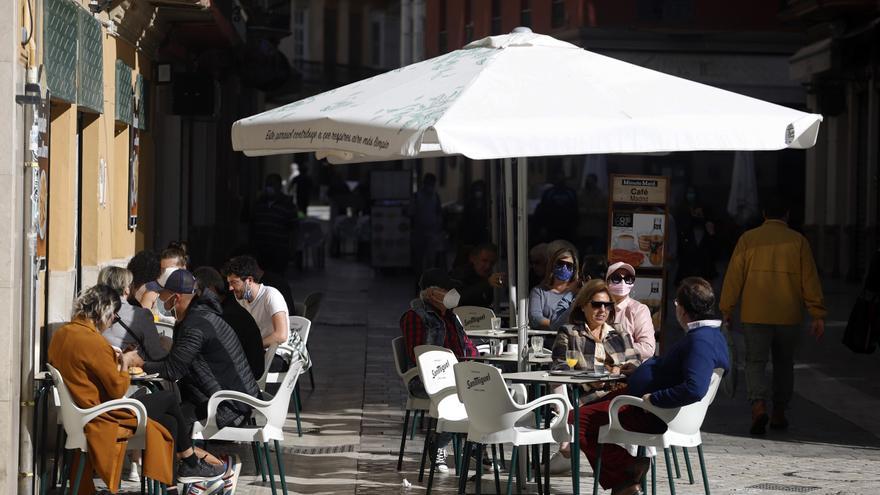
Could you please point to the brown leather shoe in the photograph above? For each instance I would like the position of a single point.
(759, 418)
(778, 421)
(634, 475)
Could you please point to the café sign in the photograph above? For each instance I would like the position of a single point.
(639, 190)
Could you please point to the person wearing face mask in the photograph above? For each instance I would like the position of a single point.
(629, 315)
(561, 279)
(678, 379)
(206, 356)
(430, 320)
(268, 308)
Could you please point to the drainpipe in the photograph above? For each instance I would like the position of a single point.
(29, 291)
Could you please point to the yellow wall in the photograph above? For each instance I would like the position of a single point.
(62, 187)
(105, 233)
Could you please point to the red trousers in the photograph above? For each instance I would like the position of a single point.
(616, 461)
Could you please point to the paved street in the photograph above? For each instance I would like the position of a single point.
(353, 417)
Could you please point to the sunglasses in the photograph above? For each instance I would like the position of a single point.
(599, 304)
(617, 278)
(565, 263)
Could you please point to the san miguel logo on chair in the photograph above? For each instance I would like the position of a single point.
(471, 320)
(476, 382)
(440, 369)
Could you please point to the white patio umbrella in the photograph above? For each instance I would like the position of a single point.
(521, 95)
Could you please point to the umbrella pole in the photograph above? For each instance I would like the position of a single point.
(510, 203)
(522, 274)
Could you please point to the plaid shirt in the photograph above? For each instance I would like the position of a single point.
(414, 333)
(617, 344)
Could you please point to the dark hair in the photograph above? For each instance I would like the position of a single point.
(551, 264)
(177, 253)
(776, 206)
(242, 267)
(696, 298)
(486, 246)
(207, 278)
(144, 267)
(586, 293)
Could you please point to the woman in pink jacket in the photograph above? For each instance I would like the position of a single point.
(630, 315)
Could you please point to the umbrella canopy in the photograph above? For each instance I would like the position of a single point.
(517, 95)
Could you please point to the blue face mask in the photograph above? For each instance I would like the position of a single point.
(563, 272)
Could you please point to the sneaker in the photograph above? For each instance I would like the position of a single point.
(559, 464)
(440, 461)
(202, 471)
(133, 474)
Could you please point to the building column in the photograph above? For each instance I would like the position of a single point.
(11, 242)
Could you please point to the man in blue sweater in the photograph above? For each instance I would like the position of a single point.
(679, 378)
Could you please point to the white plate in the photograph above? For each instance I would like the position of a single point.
(145, 377)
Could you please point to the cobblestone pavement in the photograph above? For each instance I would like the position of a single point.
(352, 420)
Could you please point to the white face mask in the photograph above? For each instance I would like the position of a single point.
(451, 299)
(620, 289)
(168, 313)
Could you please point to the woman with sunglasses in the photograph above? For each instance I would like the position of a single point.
(561, 279)
(600, 347)
(630, 315)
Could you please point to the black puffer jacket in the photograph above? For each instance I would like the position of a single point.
(207, 357)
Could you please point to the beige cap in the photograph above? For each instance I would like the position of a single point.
(617, 266)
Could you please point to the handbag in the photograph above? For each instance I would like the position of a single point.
(863, 327)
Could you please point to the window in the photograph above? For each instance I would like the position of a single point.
(376, 42)
(496, 17)
(665, 10)
(557, 14)
(525, 13)
(441, 27)
(468, 21)
(300, 34)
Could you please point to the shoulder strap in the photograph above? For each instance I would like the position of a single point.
(128, 331)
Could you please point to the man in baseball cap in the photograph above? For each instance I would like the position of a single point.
(206, 356)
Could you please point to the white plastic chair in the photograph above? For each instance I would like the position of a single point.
(302, 327)
(269, 415)
(474, 317)
(74, 419)
(683, 430)
(413, 403)
(494, 416)
(435, 365)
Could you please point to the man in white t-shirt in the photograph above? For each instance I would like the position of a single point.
(265, 304)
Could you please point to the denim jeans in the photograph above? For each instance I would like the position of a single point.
(762, 342)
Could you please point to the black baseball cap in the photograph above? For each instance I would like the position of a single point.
(436, 277)
(180, 282)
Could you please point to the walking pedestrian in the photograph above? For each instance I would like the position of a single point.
(773, 275)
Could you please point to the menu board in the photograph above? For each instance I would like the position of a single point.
(637, 235)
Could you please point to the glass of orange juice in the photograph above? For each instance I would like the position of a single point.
(571, 358)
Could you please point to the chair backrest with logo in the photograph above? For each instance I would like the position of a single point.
(436, 372)
(485, 396)
(474, 317)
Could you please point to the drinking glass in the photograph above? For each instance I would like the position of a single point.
(496, 324)
(537, 344)
(571, 358)
(495, 347)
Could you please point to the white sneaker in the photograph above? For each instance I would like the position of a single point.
(559, 464)
(133, 473)
(440, 462)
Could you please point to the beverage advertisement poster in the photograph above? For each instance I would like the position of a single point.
(649, 232)
(637, 239)
(649, 291)
(133, 177)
